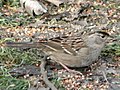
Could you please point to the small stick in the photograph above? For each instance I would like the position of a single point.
(44, 73)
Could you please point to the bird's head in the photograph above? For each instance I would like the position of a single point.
(98, 37)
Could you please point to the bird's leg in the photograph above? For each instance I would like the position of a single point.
(69, 70)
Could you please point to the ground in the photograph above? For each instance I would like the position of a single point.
(20, 67)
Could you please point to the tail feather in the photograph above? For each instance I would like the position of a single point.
(24, 44)
(42, 45)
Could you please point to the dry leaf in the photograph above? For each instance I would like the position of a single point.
(33, 7)
(56, 2)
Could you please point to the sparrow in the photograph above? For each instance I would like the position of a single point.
(72, 51)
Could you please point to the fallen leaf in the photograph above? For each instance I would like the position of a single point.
(33, 7)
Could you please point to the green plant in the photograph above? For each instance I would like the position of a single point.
(16, 56)
(7, 82)
(112, 50)
(10, 2)
(17, 19)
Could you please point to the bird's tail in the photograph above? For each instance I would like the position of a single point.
(24, 44)
(42, 45)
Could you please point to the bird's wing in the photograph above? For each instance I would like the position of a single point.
(69, 45)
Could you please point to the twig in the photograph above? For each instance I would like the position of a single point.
(104, 75)
(44, 73)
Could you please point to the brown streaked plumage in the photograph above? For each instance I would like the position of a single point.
(72, 51)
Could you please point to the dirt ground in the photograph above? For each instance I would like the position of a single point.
(72, 17)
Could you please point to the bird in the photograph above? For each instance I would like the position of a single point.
(71, 51)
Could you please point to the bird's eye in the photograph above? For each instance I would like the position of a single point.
(103, 36)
